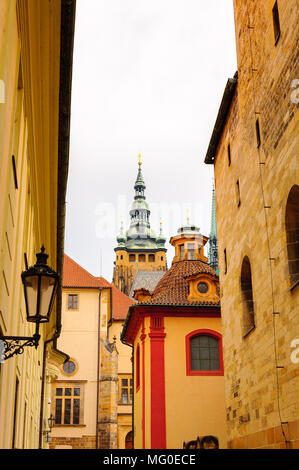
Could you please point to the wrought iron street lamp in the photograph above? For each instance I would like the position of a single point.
(40, 283)
(51, 421)
(47, 435)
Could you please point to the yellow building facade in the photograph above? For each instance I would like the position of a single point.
(90, 398)
(176, 335)
(254, 148)
(33, 131)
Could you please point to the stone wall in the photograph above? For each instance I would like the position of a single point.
(108, 399)
(84, 442)
(262, 385)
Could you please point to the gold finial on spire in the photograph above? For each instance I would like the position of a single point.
(188, 217)
(139, 160)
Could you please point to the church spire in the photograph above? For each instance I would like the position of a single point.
(213, 244)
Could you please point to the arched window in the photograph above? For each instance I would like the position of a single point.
(204, 353)
(137, 368)
(247, 297)
(141, 258)
(129, 440)
(151, 258)
(292, 233)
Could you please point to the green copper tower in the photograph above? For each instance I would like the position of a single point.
(213, 244)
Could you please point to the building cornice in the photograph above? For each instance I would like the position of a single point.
(225, 105)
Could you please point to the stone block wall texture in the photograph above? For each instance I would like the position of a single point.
(84, 442)
(262, 382)
(108, 401)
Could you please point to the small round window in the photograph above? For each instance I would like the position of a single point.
(69, 367)
(202, 287)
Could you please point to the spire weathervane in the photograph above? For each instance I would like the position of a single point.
(188, 217)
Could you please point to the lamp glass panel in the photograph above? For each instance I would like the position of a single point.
(31, 284)
(46, 291)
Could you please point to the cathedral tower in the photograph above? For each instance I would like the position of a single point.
(139, 249)
(213, 245)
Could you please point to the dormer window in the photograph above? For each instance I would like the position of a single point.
(202, 287)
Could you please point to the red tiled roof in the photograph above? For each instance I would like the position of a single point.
(75, 276)
(120, 304)
(173, 287)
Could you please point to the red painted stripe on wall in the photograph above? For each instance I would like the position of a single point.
(158, 415)
(142, 338)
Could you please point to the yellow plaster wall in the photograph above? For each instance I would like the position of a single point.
(124, 367)
(124, 352)
(124, 426)
(194, 404)
(28, 214)
(79, 337)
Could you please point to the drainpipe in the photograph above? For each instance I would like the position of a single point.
(98, 368)
(41, 415)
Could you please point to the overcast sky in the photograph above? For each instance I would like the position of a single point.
(148, 77)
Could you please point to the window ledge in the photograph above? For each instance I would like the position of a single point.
(205, 373)
(69, 425)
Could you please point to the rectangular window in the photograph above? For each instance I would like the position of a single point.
(276, 23)
(131, 258)
(76, 411)
(258, 133)
(182, 251)
(125, 393)
(68, 404)
(229, 155)
(191, 251)
(204, 353)
(58, 411)
(72, 302)
(67, 411)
